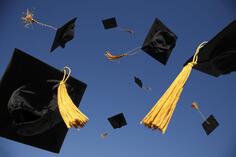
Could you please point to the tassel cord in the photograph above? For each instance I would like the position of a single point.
(44, 25)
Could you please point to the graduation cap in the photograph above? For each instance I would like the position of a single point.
(158, 43)
(110, 23)
(29, 111)
(63, 35)
(139, 82)
(117, 121)
(209, 124)
(218, 56)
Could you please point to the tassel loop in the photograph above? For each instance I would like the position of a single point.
(64, 79)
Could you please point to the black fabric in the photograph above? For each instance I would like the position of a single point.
(210, 124)
(218, 56)
(159, 42)
(117, 121)
(109, 23)
(28, 109)
(64, 34)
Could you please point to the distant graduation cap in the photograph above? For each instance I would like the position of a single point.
(210, 123)
(117, 121)
(158, 43)
(64, 34)
(111, 23)
(218, 56)
(139, 82)
(29, 111)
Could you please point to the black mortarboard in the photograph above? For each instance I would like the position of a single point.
(210, 124)
(138, 82)
(159, 42)
(117, 121)
(218, 56)
(64, 34)
(28, 110)
(109, 23)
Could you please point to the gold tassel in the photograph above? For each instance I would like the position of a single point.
(28, 19)
(128, 53)
(159, 116)
(113, 57)
(71, 115)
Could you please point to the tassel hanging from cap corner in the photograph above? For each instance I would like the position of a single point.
(159, 116)
(71, 115)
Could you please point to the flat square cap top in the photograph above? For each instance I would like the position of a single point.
(64, 34)
(218, 56)
(159, 42)
(117, 121)
(210, 124)
(28, 109)
(109, 23)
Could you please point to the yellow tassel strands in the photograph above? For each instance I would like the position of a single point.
(71, 115)
(159, 116)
